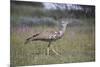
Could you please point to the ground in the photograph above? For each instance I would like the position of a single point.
(77, 45)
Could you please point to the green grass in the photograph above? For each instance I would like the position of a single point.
(77, 45)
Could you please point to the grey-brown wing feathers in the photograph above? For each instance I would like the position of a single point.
(28, 39)
(44, 36)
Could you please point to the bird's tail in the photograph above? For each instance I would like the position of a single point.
(27, 40)
(30, 38)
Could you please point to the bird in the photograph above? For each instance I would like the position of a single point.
(49, 36)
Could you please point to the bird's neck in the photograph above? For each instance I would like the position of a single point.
(62, 31)
(63, 28)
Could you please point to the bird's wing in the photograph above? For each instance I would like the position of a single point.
(32, 37)
(43, 35)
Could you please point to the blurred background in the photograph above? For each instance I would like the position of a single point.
(27, 18)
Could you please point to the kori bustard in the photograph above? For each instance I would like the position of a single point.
(49, 37)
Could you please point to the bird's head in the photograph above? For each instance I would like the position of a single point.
(64, 23)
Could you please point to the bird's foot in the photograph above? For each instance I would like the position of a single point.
(55, 52)
(48, 51)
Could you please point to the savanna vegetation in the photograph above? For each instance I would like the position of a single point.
(77, 45)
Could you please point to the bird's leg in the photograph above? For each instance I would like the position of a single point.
(55, 52)
(48, 48)
(48, 51)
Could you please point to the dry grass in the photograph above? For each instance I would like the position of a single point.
(77, 45)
